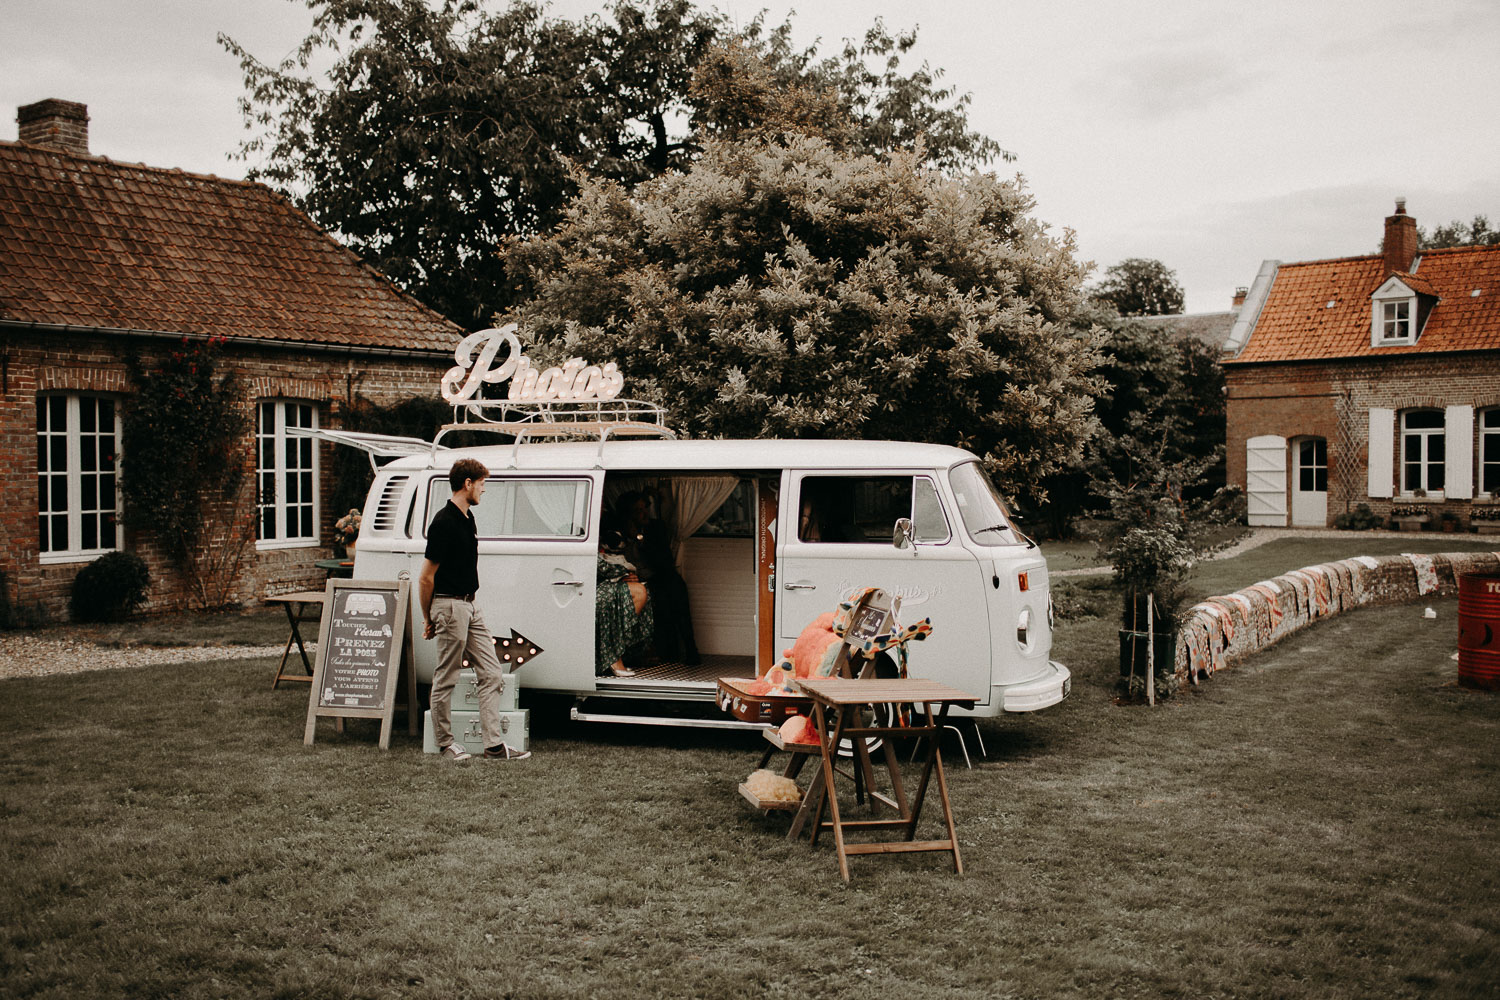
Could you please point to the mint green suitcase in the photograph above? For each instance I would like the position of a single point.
(515, 731)
(466, 694)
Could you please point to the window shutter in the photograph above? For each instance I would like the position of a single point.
(1382, 459)
(1459, 473)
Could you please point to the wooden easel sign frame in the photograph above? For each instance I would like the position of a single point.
(364, 648)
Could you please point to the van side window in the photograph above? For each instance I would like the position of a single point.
(735, 517)
(865, 509)
(523, 508)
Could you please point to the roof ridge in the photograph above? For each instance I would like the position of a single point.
(1330, 260)
(130, 164)
(1472, 248)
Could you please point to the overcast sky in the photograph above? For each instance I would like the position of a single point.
(1211, 135)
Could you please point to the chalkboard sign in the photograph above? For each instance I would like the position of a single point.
(363, 650)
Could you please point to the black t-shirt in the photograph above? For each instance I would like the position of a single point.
(453, 543)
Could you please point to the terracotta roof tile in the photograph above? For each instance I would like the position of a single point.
(90, 242)
(1321, 309)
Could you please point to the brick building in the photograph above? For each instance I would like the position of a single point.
(102, 260)
(1369, 380)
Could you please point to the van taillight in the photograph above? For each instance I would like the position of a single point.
(1023, 581)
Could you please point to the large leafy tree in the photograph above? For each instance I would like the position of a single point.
(783, 288)
(1475, 233)
(1162, 397)
(763, 77)
(439, 129)
(1141, 286)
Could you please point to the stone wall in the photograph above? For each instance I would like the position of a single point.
(1225, 629)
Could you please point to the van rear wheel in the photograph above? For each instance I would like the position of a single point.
(885, 716)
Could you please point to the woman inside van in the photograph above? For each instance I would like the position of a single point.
(623, 616)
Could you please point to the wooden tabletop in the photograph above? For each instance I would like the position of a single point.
(300, 597)
(841, 691)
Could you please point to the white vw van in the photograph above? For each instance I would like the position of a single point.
(921, 521)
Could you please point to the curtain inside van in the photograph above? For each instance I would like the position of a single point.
(693, 501)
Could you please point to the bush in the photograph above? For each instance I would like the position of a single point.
(1361, 518)
(110, 587)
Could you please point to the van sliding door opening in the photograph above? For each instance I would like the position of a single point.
(691, 538)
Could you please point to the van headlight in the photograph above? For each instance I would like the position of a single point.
(1023, 630)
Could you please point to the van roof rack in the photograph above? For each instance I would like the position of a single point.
(582, 420)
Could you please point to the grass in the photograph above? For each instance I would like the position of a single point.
(1082, 550)
(1320, 822)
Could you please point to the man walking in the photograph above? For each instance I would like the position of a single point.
(446, 591)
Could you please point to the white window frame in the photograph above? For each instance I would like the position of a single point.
(1487, 460)
(1390, 299)
(1425, 435)
(277, 473)
(73, 439)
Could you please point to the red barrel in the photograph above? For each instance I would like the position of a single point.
(1479, 630)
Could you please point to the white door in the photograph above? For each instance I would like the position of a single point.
(1310, 482)
(1265, 480)
(538, 568)
(844, 545)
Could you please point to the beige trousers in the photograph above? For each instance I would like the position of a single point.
(461, 633)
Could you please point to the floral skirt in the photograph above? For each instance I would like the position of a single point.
(617, 627)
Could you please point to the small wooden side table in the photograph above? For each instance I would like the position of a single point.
(841, 701)
(342, 568)
(301, 606)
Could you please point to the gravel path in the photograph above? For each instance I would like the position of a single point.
(26, 655)
(1256, 538)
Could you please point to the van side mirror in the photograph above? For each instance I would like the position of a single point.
(901, 536)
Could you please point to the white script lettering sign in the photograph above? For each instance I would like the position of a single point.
(573, 381)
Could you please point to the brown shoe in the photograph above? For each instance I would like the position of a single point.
(505, 752)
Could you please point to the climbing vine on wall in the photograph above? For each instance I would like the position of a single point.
(183, 461)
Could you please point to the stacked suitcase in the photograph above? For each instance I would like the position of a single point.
(515, 724)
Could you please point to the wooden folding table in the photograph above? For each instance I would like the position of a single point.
(838, 711)
(301, 606)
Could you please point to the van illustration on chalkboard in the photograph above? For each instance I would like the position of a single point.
(364, 604)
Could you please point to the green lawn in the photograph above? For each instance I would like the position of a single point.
(1320, 822)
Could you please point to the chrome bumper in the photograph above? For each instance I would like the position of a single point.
(1043, 691)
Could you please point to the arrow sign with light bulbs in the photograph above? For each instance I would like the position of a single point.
(516, 651)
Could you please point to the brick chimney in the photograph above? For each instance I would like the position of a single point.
(1239, 297)
(1400, 244)
(61, 125)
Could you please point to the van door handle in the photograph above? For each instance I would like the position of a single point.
(567, 583)
(799, 586)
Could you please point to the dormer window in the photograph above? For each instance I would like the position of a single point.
(1397, 311)
(1395, 322)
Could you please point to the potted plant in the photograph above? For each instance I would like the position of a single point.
(1410, 516)
(346, 531)
(1486, 519)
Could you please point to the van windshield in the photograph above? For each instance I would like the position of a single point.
(982, 510)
